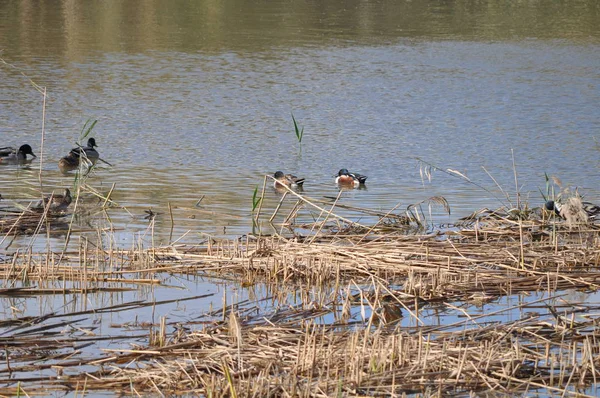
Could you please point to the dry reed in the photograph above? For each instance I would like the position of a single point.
(322, 346)
(347, 314)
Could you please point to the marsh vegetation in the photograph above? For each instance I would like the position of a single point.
(339, 308)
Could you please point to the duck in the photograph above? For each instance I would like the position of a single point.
(89, 151)
(288, 180)
(73, 158)
(574, 210)
(9, 155)
(552, 207)
(56, 202)
(68, 163)
(344, 177)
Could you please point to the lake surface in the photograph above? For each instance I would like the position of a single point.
(195, 100)
(194, 103)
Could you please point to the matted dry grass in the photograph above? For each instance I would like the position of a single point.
(253, 356)
(356, 325)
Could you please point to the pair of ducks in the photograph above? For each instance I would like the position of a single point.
(54, 203)
(343, 178)
(87, 154)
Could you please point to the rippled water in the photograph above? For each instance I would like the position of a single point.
(215, 122)
(179, 126)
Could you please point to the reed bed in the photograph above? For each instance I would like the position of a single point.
(297, 356)
(499, 260)
(347, 316)
(308, 359)
(30, 221)
(345, 309)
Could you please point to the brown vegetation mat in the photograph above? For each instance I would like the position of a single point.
(30, 221)
(321, 346)
(451, 265)
(253, 356)
(306, 359)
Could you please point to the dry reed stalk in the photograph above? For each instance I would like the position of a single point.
(321, 224)
(42, 91)
(262, 197)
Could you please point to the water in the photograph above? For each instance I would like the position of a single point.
(194, 103)
(214, 125)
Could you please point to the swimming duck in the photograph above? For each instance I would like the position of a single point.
(344, 177)
(88, 150)
(574, 210)
(56, 202)
(288, 180)
(68, 163)
(9, 155)
(72, 160)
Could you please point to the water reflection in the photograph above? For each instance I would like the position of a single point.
(74, 30)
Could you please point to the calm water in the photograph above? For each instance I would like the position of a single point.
(194, 101)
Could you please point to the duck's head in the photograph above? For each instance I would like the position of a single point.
(26, 150)
(343, 172)
(91, 143)
(278, 175)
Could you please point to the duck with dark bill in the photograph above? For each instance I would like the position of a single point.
(10, 155)
(345, 178)
(288, 180)
(88, 153)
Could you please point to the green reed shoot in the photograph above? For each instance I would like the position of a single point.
(87, 128)
(299, 132)
(550, 193)
(255, 199)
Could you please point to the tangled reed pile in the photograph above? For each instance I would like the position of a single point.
(347, 315)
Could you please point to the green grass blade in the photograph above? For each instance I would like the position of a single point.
(86, 130)
(255, 199)
(299, 133)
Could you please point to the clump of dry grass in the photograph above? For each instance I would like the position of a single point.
(573, 212)
(307, 359)
(30, 222)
